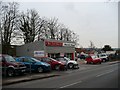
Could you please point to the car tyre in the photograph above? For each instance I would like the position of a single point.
(10, 72)
(40, 69)
(70, 65)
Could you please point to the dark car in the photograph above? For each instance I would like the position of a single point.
(33, 64)
(55, 65)
(10, 67)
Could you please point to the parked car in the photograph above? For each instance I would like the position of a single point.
(103, 57)
(93, 59)
(10, 67)
(33, 64)
(71, 64)
(55, 65)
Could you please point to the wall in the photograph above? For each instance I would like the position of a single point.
(28, 49)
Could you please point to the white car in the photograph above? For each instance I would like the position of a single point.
(103, 57)
(71, 64)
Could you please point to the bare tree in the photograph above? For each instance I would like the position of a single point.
(60, 32)
(75, 38)
(31, 25)
(44, 32)
(92, 46)
(53, 27)
(8, 16)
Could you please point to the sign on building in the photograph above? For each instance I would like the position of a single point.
(39, 53)
(69, 44)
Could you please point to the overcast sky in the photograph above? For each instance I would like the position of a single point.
(92, 21)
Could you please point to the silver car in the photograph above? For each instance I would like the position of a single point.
(71, 64)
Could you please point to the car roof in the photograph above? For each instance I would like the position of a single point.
(25, 57)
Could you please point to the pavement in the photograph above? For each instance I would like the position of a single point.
(30, 77)
(25, 78)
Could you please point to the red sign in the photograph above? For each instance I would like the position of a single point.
(49, 43)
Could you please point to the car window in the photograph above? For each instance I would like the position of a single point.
(33, 60)
(44, 59)
(9, 59)
(103, 55)
(52, 59)
(24, 60)
(93, 57)
(60, 59)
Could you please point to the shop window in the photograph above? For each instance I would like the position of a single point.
(55, 55)
(68, 55)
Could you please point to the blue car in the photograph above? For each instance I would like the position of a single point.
(33, 64)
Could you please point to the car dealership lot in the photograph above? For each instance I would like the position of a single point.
(37, 76)
(102, 76)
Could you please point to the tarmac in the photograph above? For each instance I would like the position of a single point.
(36, 76)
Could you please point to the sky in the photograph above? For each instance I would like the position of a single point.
(93, 20)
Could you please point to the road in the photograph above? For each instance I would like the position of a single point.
(91, 76)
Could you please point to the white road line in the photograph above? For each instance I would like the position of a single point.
(105, 73)
(70, 84)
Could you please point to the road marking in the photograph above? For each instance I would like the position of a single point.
(70, 84)
(105, 73)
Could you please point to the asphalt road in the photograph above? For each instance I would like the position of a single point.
(92, 76)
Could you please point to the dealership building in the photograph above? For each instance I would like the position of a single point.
(47, 47)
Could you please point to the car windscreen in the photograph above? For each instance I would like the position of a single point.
(45, 59)
(67, 59)
(33, 59)
(94, 57)
(9, 59)
(53, 59)
(60, 59)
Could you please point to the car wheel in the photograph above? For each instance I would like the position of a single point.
(40, 69)
(57, 67)
(10, 72)
(70, 65)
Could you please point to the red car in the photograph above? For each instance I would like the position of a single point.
(10, 67)
(93, 59)
(55, 65)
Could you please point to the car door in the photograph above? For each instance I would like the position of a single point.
(27, 63)
(3, 65)
(34, 64)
